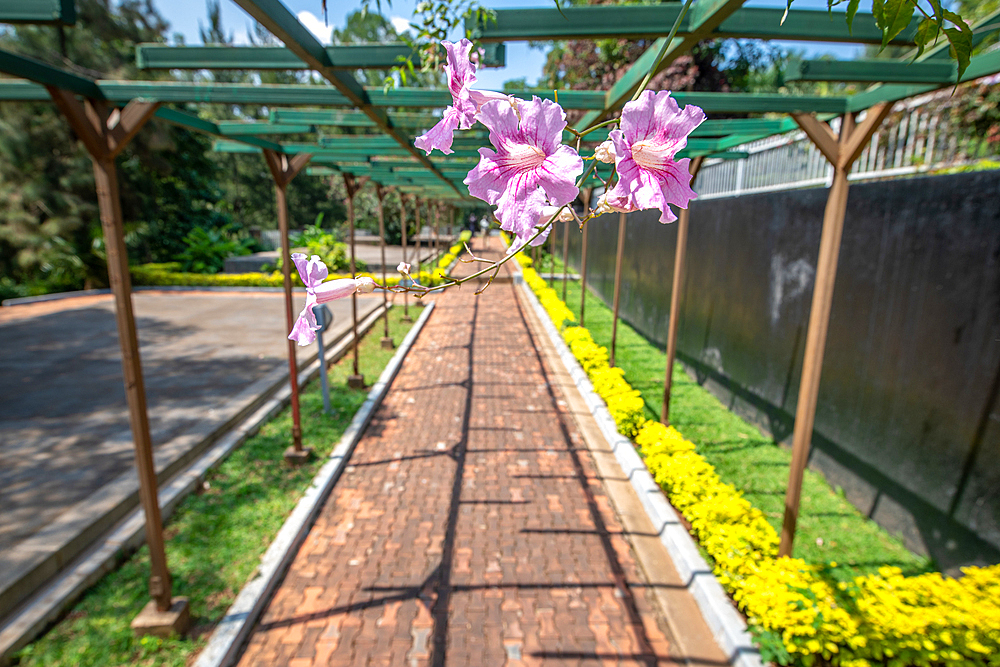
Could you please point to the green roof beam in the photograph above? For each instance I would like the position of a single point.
(647, 21)
(277, 19)
(215, 57)
(981, 65)
(348, 118)
(237, 128)
(703, 18)
(308, 95)
(873, 71)
(39, 72)
(225, 57)
(38, 11)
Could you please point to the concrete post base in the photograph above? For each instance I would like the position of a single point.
(388, 343)
(407, 319)
(296, 457)
(356, 381)
(174, 621)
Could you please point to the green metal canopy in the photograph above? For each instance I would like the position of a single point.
(387, 133)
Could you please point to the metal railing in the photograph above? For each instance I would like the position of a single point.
(917, 138)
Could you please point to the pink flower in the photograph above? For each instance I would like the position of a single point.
(461, 115)
(653, 130)
(530, 163)
(313, 272)
(544, 215)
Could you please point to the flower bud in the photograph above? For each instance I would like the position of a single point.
(602, 205)
(605, 152)
(566, 215)
(403, 268)
(365, 285)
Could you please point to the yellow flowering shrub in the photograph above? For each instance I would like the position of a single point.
(557, 310)
(797, 613)
(162, 275)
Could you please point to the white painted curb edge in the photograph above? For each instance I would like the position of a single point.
(49, 603)
(232, 631)
(726, 623)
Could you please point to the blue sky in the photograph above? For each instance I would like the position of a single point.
(184, 17)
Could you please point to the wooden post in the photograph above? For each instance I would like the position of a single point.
(841, 152)
(105, 135)
(355, 380)
(416, 220)
(437, 250)
(552, 253)
(618, 285)
(283, 169)
(680, 256)
(585, 195)
(402, 224)
(387, 343)
(565, 259)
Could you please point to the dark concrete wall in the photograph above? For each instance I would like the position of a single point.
(907, 421)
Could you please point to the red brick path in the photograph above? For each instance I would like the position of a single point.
(470, 527)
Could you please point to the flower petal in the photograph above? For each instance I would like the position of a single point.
(558, 175)
(481, 97)
(501, 120)
(304, 330)
(488, 179)
(441, 135)
(335, 289)
(301, 263)
(316, 271)
(459, 67)
(542, 123)
(519, 204)
(672, 122)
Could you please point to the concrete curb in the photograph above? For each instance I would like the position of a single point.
(725, 621)
(233, 630)
(51, 600)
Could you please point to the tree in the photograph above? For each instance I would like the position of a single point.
(49, 223)
(712, 65)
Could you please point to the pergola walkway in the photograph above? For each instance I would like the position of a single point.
(471, 526)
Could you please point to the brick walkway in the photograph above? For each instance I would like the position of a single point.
(471, 527)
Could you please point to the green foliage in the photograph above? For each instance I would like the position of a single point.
(893, 16)
(50, 234)
(333, 253)
(207, 249)
(11, 290)
(365, 27)
(433, 22)
(215, 539)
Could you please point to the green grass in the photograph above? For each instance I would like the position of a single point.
(216, 538)
(830, 529)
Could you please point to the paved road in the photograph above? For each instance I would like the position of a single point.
(63, 420)
(471, 527)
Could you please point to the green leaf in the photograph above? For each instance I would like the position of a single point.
(960, 38)
(961, 49)
(877, 11)
(927, 32)
(896, 15)
(852, 9)
(937, 13)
